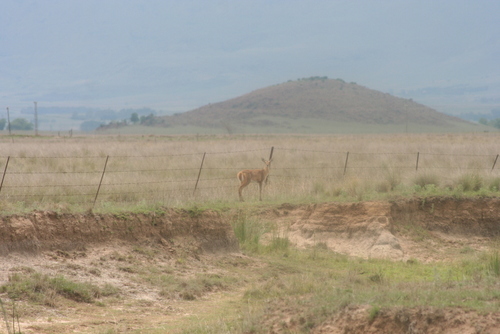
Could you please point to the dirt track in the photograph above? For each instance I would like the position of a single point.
(79, 245)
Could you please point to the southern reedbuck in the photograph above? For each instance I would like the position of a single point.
(257, 175)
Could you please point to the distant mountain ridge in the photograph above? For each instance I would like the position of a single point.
(312, 98)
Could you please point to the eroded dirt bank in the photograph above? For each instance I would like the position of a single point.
(32, 233)
(108, 248)
(391, 229)
(367, 229)
(410, 320)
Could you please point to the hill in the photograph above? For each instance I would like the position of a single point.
(312, 105)
(316, 98)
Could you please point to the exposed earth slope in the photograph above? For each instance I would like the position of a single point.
(120, 249)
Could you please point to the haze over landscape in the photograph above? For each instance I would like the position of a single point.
(249, 166)
(175, 56)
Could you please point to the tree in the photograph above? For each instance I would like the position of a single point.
(483, 121)
(21, 124)
(134, 118)
(89, 126)
(3, 122)
(148, 120)
(496, 123)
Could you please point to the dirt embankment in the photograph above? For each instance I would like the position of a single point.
(42, 230)
(365, 229)
(415, 320)
(390, 229)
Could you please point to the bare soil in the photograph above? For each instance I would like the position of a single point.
(111, 249)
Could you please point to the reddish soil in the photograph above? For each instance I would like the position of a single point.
(82, 246)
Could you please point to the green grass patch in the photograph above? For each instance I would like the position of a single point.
(45, 289)
(313, 288)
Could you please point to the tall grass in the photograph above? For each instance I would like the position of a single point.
(65, 173)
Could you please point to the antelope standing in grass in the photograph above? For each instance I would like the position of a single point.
(257, 175)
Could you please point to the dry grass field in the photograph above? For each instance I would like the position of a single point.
(125, 172)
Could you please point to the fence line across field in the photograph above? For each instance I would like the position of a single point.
(106, 177)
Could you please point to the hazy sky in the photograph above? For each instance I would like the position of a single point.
(178, 55)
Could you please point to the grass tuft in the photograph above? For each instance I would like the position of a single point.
(426, 179)
(45, 290)
(374, 312)
(470, 182)
(494, 264)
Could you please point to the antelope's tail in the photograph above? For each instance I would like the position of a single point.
(241, 176)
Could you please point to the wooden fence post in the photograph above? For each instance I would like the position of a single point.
(100, 182)
(199, 173)
(345, 165)
(270, 157)
(416, 166)
(494, 163)
(4, 172)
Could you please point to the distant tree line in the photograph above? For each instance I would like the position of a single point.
(492, 122)
(486, 119)
(86, 113)
(135, 118)
(16, 124)
(314, 78)
(92, 118)
(144, 116)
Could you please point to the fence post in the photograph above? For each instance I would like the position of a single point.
(270, 157)
(345, 165)
(494, 163)
(100, 182)
(416, 166)
(4, 172)
(199, 173)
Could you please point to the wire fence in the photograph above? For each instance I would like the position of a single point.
(175, 178)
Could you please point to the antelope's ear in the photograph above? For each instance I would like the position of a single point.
(264, 160)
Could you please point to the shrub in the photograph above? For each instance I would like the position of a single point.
(470, 182)
(392, 177)
(383, 187)
(424, 180)
(495, 184)
(21, 124)
(248, 232)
